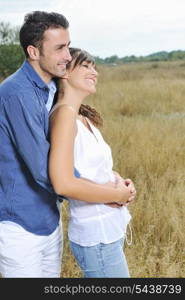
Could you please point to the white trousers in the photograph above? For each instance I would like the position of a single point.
(24, 254)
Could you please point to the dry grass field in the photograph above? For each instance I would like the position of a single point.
(143, 106)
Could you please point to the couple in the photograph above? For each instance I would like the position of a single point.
(53, 151)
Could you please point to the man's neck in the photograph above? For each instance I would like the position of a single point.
(43, 75)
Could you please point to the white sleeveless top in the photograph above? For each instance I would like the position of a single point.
(90, 223)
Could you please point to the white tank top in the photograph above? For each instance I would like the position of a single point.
(90, 223)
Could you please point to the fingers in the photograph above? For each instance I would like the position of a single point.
(131, 199)
(129, 183)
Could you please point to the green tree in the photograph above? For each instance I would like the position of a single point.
(114, 59)
(8, 34)
(175, 55)
(11, 54)
(11, 57)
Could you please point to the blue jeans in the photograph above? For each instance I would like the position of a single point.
(101, 260)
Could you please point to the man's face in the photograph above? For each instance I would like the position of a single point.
(54, 54)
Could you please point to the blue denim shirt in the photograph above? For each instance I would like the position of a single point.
(26, 194)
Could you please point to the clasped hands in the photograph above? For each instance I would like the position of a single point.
(119, 182)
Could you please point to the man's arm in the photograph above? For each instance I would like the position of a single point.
(28, 137)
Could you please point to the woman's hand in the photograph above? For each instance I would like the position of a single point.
(128, 183)
(127, 187)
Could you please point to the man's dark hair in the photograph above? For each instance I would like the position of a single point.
(34, 26)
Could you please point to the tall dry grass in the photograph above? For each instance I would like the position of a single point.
(143, 106)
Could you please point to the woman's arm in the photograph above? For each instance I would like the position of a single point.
(61, 165)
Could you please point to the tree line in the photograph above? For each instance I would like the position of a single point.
(155, 57)
(12, 56)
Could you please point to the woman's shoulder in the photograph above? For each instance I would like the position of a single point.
(56, 107)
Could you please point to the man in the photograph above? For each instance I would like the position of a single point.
(30, 233)
(30, 230)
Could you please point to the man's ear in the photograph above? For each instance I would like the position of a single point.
(33, 52)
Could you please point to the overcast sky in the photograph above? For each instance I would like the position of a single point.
(109, 27)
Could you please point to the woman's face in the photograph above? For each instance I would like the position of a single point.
(83, 77)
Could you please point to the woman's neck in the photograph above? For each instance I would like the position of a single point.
(72, 97)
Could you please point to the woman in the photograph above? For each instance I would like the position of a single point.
(96, 231)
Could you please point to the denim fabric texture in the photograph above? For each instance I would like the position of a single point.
(101, 260)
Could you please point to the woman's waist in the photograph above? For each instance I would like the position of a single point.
(104, 229)
(86, 212)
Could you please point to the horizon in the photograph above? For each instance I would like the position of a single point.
(161, 51)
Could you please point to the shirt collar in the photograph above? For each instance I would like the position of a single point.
(52, 86)
(33, 75)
